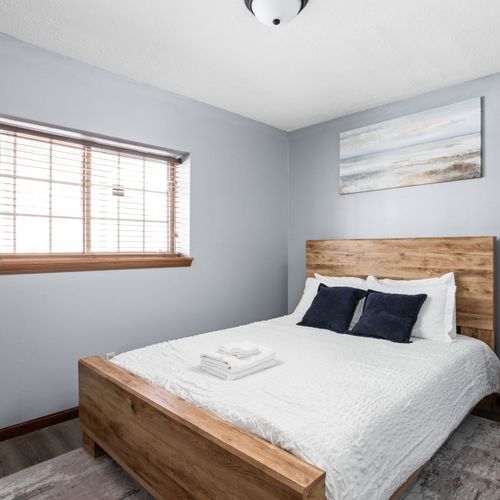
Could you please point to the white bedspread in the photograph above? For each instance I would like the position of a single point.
(368, 412)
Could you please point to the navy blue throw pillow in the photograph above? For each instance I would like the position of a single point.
(389, 316)
(333, 308)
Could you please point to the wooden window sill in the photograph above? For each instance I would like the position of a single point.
(54, 263)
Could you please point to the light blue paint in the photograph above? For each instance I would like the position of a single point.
(248, 181)
(318, 211)
(239, 190)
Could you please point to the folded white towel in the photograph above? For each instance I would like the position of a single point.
(239, 349)
(234, 364)
(229, 375)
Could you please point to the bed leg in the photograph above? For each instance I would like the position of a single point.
(90, 446)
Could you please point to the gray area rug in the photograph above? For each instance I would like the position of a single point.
(72, 476)
(466, 467)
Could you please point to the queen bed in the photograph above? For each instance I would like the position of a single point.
(340, 417)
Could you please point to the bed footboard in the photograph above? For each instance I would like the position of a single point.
(177, 450)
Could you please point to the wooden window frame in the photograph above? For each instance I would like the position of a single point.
(17, 263)
(53, 263)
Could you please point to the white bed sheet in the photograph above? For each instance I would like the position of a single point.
(368, 412)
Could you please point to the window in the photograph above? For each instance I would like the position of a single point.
(74, 204)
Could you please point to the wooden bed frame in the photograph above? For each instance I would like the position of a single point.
(178, 451)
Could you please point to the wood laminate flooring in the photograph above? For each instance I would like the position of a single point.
(31, 449)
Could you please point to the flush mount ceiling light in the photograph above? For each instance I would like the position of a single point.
(275, 12)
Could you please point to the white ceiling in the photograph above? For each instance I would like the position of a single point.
(337, 57)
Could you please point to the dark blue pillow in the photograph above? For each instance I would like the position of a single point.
(333, 308)
(389, 316)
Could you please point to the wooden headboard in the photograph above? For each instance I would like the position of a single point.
(471, 259)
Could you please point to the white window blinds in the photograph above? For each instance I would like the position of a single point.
(60, 195)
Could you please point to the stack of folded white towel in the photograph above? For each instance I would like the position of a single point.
(237, 359)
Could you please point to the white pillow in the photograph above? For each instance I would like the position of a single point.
(342, 281)
(446, 279)
(436, 320)
(311, 289)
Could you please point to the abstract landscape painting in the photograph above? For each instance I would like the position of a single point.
(443, 144)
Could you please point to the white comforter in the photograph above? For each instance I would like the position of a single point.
(368, 412)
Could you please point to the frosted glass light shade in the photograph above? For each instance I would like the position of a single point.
(276, 12)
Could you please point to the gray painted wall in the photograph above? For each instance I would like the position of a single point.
(239, 210)
(317, 211)
(251, 186)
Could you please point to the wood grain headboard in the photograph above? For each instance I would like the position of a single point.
(471, 259)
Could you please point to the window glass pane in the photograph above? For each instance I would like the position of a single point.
(156, 206)
(6, 155)
(156, 237)
(156, 176)
(67, 235)
(6, 194)
(67, 163)
(131, 172)
(42, 179)
(32, 234)
(104, 235)
(104, 168)
(103, 202)
(32, 197)
(66, 200)
(131, 236)
(6, 234)
(132, 204)
(32, 158)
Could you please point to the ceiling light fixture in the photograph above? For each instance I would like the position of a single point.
(275, 12)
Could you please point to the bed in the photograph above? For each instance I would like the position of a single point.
(289, 432)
